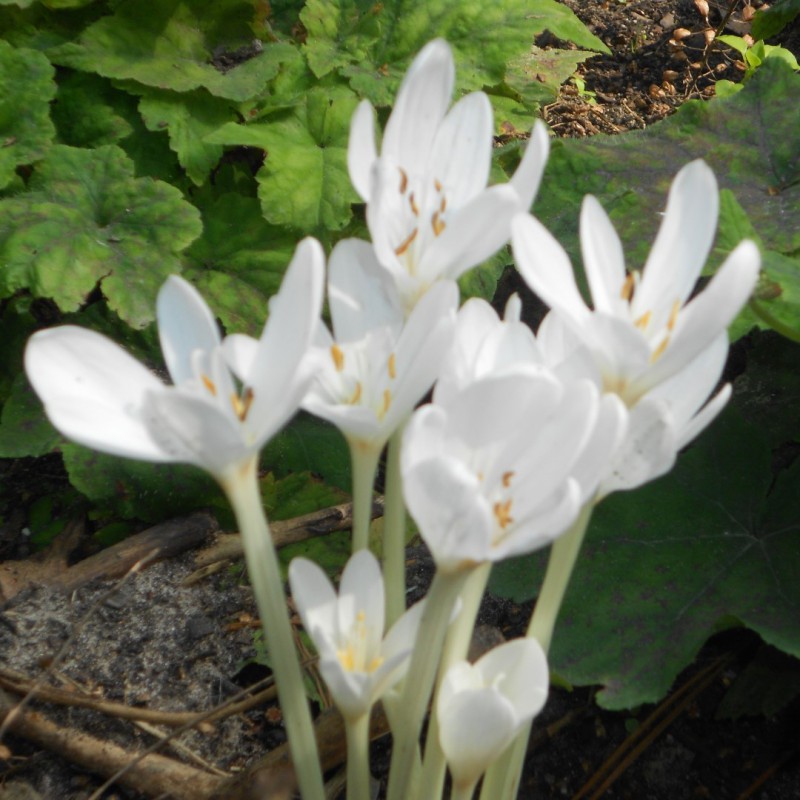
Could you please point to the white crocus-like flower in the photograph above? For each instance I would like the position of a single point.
(377, 365)
(642, 341)
(358, 664)
(490, 474)
(97, 394)
(429, 211)
(482, 706)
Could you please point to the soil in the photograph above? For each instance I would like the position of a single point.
(160, 643)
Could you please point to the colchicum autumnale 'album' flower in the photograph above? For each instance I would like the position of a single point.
(358, 664)
(643, 341)
(482, 706)
(95, 393)
(429, 211)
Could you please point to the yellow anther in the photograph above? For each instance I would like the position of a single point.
(392, 366)
(346, 659)
(338, 357)
(209, 384)
(659, 351)
(241, 405)
(502, 512)
(627, 287)
(437, 185)
(642, 322)
(406, 243)
(673, 315)
(375, 663)
(356, 398)
(413, 203)
(387, 402)
(443, 204)
(437, 223)
(403, 180)
(507, 476)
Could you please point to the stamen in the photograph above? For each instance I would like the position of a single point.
(241, 405)
(387, 401)
(346, 659)
(413, 203)
(403, 180)
(627, 287)
(437, 185)
(642, 322)
(338, 357)
(356, 398)
(209, 384)
(437, 223)
(392, 366)
(406, 243)
(507, 476)
(673, 315)
(659, 351)
(502, 512)
(375, 663)
(443, 204)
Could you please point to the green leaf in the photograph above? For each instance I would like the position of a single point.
(86, 221)
(26, 89)
(373, 43)
(709, 546)
(769, 21)
(239, 261)
(24, 430)
(138, 490)
(481, 281)
(90, 112)
(179, 45)
(750, 140)
(304, 183)
(188, 118)
(311, 445)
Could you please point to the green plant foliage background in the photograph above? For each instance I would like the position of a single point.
(206, 137)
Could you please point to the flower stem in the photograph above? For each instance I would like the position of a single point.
(502, 778)
(357, 731)
(243, 494)
(419, 681)
(364, 459)
(456, 646)
(394, 533)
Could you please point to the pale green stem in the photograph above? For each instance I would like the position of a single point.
(502, 778)
(357, 731)
(242, 490)
(364, 459)
(461, 792)
(419, 682)
(456, 647)
(394, 533)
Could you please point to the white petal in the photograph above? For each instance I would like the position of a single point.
(545, 267)
(423, 437)
(361, 294)
(707, 414)
(682, 245)
(603, 259)
(93, 391)
(420, 106)
(528, 175)
(462, 151)
(473, 233)
(314, 597)
(240, 353)
(362, 580)
(361, 150)
(185, 324)
(351, 691)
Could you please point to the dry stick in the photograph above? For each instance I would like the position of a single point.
(767, 774)
(650, 730)
(154, 775)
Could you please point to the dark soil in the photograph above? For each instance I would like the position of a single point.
(175, 647)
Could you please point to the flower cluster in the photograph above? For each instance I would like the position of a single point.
(524, 434)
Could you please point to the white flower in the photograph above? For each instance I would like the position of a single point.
(490, 474)
(97, 394)
(429, 211)
(642, 330)
(642, 341)
(482, 706)
(358, 664)
(377, 365)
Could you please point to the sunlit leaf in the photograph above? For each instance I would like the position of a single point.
(87, 221)
(26, 89)
(711, 545)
